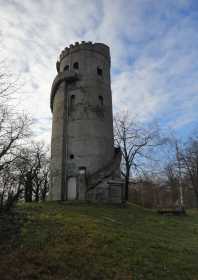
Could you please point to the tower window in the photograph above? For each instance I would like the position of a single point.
(99, 71)
(71, 156)
(76, 65)
(101, 101)
(66, 68)
(72, 101)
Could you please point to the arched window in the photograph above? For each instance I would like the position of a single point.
(66, 68)
(101, 101)
(99, 71)
(76, 65)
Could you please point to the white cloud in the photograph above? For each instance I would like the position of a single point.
(153, 47)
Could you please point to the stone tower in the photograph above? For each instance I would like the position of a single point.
(84, 162)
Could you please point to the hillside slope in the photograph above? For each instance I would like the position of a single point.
(81, 241)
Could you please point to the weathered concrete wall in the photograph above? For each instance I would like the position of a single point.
(57, 145)
(82, 130)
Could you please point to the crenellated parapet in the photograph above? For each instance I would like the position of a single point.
(87, 46)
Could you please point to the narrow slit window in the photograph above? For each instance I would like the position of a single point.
(72, 101)
(66, 68)
(101, 101)
(99, 71)
(71, 156)
(76, 65)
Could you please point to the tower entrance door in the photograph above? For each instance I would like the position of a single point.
(71, 188)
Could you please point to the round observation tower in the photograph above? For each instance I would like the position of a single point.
(82, 150)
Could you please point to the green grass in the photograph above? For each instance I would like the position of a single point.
(87, 241)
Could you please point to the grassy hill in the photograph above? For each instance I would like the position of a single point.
(86, 241)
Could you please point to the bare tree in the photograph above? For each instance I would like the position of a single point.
(33, 165)
(190, 163)
(10, 186)
(41, 178)
(14, 129)
(44, 189)
(136, 143)
(182, 170)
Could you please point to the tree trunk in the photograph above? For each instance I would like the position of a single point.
(196, 194)
(127, 185)
(28, 189)
(37, 194)
(1, 199)
(44, 190)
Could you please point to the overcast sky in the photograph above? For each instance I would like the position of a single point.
(154, 51)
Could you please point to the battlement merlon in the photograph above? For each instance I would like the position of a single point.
(96, 47)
